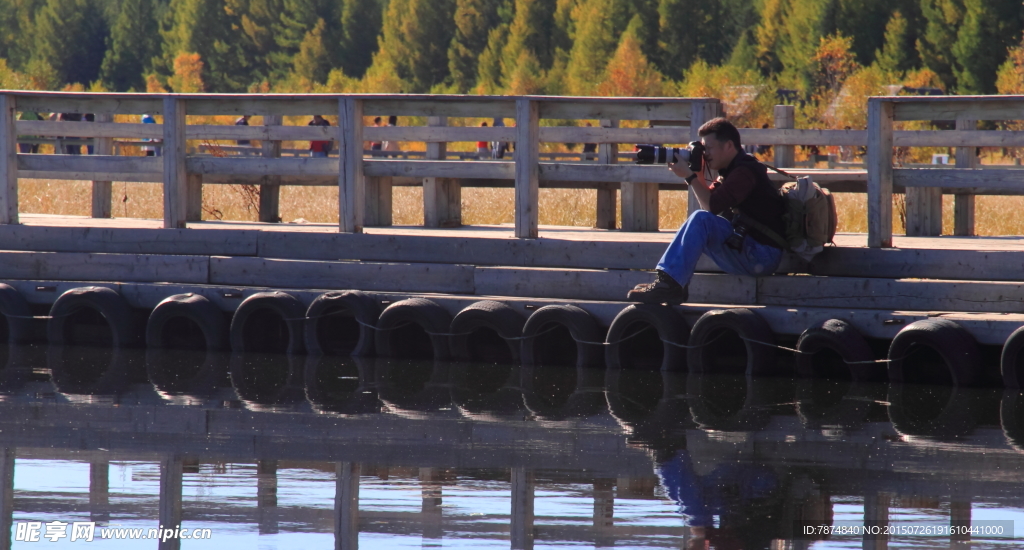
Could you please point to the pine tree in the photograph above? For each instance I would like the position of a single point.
(679, 34)
(414, 40)
(598, 27)
(982, 40)
(897, 56)
(488, 81)
(531, 31)
(806, 23)
(17, 38)
(935, 44)
(1010, 78)
(313, 63)
(70, 40)
(256, 19)
(360, 25)
(629, 73)
(296, 20)
(133, 44)
(474, 20)
(205, 27)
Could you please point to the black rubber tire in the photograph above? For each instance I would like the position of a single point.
(669, 327)
(197, 309)
(584, 330)
(843, 339)
(941, 412)
(707, 337)
(104, 301)
(1011, 361)
(358, 307)
(281, 316)
(956, 347)
(396, 339)
(506, 322)
(17, 314)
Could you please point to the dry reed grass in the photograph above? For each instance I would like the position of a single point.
(995, 215)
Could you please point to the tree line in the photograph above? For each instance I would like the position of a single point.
(559, 47)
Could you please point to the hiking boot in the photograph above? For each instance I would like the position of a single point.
(664, 290)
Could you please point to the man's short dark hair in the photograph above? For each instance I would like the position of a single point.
(723, 130)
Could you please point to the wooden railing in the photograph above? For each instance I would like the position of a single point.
(364, 183)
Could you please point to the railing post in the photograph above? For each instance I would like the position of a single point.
(607, 153)
(785, 119)
(442, 197)
(346, 506)
(879, 165)
(270, 192)
(102, 190)
(700, 112)
(527, 168)
(8, 161)
(176, 186)
(963, 204)
(351, 182)
(7, 460)
(170, 494)
(522, 508)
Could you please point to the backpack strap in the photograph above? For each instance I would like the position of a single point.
(762, 228)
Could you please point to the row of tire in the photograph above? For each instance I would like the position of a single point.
(352, 323)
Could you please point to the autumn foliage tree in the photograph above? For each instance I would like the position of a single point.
(629, 73)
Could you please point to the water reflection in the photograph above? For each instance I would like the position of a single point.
(286, 452)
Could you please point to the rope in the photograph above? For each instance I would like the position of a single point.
(792, 350)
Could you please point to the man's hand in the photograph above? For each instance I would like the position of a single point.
(680, 169)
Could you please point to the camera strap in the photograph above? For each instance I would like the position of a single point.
(776, 170)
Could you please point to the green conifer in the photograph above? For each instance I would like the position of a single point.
(360, 25)
(70, 39)
(474, 20)
(134, 42)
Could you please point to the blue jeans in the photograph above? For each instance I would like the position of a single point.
(705, 233)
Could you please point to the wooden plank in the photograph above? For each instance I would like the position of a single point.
(960, 178)
(639, 206)
(527, 170)
(262, 104)
(439, 169)
(871, 293)
(606, 196)
(880, 173)
(924, 211)
(130, 240)
(341, 275)
(378, 202)
(103, 267)
(351, 179)
(150, 177)
(442, 197)
(100, 128)
(194, 198)
(439, 134)
(449, 106)
(955, 107)
(91, 164)
(583, 284)
(175, 173)
(521, 517)
(257, 179)
(633, 108)
(346, 506)
(257, 166)
(963, 204)
(593, 134)
(785, 119)
(611, 173)
(901, 138)
(270, 192)
(171, 473)
(102, 190)
(109, 104)
(8, 161)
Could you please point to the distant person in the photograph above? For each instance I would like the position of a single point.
(391, 145)
(376, 146)
(89, 117)
(71, 117)
(483, 148)
(763, 149)
(151, 148)
(28, 148)
(846, 151)
(498, 148)
(243, 121)
(319, 149)
(589, 149)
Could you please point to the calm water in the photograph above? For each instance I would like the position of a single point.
(282, 453)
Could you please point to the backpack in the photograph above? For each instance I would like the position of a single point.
(810, 218)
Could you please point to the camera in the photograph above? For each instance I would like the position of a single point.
(693, 155)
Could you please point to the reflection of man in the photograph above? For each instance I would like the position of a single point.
(746, 249)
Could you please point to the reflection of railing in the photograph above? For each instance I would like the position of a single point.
(364, 183)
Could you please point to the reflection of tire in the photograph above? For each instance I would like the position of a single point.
(915, 350)
(268, 322)
(341, 323)
(187, 321)
(17, 315)
(487, 331)
(720, 333)
(845, 404)
(343, 385)
(92, 315)
(186, 372)
(1011, 417)
(562, 335)
(834, 349)
(635, 323)
(1011, 361)
(268, 379)
(941, 412)
(731, 403)
(87, 370)
(415, 328)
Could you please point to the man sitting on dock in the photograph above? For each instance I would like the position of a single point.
(737, 248)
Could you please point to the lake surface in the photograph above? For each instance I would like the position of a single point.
(272, 452)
